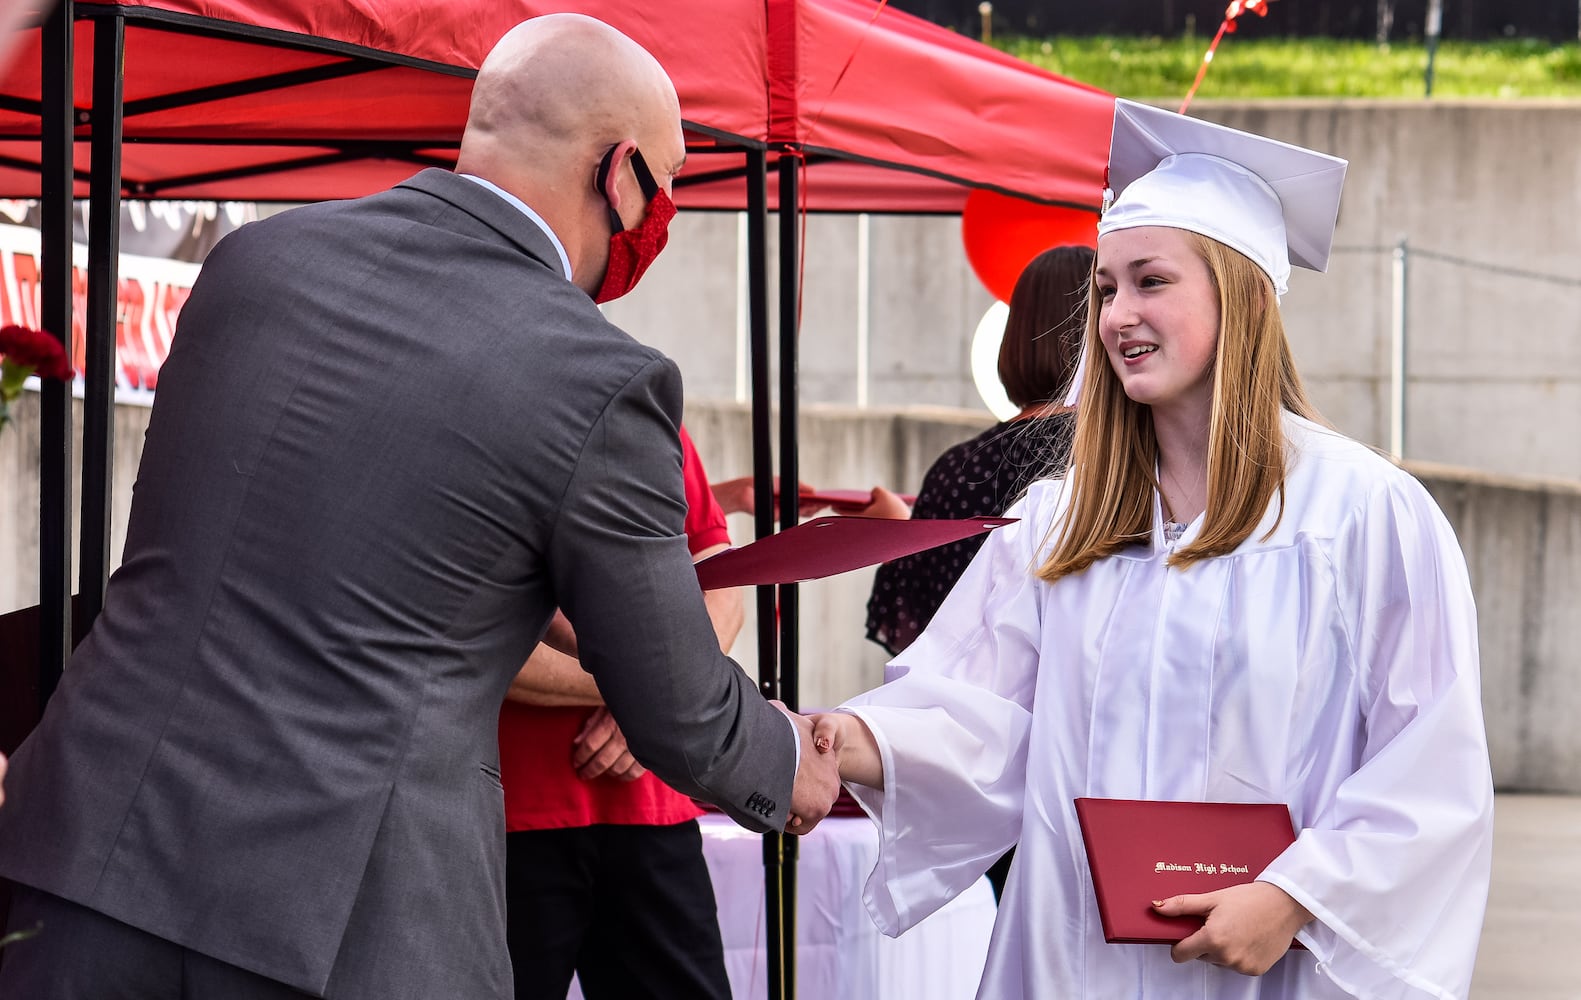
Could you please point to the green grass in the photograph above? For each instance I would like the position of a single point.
(1307, 67)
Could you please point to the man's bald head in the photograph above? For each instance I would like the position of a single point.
(551, 99)
(559, 88)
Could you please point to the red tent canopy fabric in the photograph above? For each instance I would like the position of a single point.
(298, 101)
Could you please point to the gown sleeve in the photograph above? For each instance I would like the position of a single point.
(1395, 867)
(952, 727)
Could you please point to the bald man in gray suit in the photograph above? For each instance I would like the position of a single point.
(393, 436)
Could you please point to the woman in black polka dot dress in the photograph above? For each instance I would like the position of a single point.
(983, 476)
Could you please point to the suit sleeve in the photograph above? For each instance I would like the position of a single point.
(624, 577)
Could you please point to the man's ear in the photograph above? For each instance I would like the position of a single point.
(608, 180)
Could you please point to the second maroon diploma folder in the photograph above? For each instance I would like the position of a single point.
(825, 546)
(1140, 851)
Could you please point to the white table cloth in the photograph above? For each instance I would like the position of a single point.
(840, 954)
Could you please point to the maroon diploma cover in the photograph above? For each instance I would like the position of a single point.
(825, 546)
(1140, 851)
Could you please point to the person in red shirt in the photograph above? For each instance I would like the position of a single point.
(605, 875)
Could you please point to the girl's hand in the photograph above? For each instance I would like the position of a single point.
(1248, 927)
(848, 738)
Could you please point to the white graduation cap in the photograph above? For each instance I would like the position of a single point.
(1274, 202)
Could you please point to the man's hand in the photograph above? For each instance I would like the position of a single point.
(600, 750)
(817, 779)
(1248, 927)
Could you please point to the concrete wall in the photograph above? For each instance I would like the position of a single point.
(1522, 540)
(909, 324)
(1493, 352)
(1487, 195)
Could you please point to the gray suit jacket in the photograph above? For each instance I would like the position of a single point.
(390, 439)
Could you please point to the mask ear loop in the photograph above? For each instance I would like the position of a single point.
(599, 180)
(639, 167)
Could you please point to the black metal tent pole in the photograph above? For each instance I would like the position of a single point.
(789, 614)
(104, 248)
(58, 118)
(763, 517)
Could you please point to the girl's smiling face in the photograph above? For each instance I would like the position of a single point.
(1158, 316)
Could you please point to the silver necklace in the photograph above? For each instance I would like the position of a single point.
(1172, 528)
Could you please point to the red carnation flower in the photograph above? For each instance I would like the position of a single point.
(22, 353)
(34, 349)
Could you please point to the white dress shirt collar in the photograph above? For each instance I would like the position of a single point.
(559, 248)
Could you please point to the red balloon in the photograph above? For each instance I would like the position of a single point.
(1002, 234)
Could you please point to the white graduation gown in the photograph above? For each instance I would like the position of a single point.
(1331, 666)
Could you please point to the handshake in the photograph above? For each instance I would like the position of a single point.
(835, 747)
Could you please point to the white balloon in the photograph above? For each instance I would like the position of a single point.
(985, 361)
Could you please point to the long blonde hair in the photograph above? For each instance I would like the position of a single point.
(1115, 454)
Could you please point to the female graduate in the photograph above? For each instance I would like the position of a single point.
(1223, 600)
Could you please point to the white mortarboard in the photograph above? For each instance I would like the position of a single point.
(1274, 202)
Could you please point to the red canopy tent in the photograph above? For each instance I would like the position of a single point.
(855, 107)
(289, 101)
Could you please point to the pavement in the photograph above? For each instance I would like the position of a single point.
(1531, 940)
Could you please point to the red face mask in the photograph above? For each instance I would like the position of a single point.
(632, 250)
